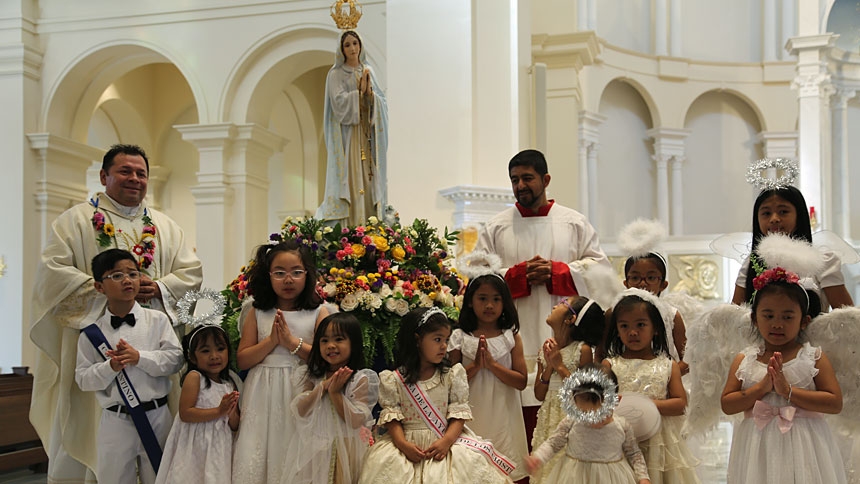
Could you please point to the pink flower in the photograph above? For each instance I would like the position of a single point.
(344, 230)
(98, 220)
(366, 240)
(359, 230)
(774, 275)
(341, 255)
(149, 229)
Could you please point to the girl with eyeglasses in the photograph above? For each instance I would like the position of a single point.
(276, 338)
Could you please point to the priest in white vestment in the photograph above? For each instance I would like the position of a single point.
(545, 249)
(65, 301)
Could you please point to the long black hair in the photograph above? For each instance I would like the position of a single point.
(346, 325)
(260, 283)
(507, 320)
(407, 356)
(198, 336)
(802, 228)
(590, 327)
(614, 345)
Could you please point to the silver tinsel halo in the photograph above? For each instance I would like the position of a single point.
(789, 173)
(213, 317)
(575, 382)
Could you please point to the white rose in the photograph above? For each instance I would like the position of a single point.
(424, 301)
(373, 220)
(401, 307)
(385, 291)
(458, 301)
(375, 301)
(318, 236)
(330, 289)
(349, 303)
(327, 230)
(390, 304)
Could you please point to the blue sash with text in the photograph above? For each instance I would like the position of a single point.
(129, 396)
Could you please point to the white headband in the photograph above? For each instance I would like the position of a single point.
(582, 312)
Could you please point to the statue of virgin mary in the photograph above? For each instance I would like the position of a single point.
(356, 138)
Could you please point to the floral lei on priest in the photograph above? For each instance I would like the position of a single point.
(376, 271)
(142, 246)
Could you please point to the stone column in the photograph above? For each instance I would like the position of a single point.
(675, 28)
(841, 188)
(214, 199)
(589, 139)
(60, 176)
(669, 147)
(661, 34)
(768, 26)
(814, 88)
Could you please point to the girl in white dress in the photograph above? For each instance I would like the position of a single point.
(490, 348)
(276, 339)
(199, 449)
(783, 210)
(334, 412)
(637, 353)
(577, 326)
(782, 386)
(425, 405)
(604, 452)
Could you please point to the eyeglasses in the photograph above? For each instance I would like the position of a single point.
(120, 276)
(650, 279)
(568, 306)
(293, 275)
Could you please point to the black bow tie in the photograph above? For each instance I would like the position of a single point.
(117, 321)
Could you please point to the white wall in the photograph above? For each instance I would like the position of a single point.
(626, 23)
(725, 31)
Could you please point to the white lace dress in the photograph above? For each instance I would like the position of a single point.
(267, 425)
(550, 413)
(331, 449)
(605, 455)
(199, 453)
(449, 393)
(493, 401)
(668, 458)
(807, 453)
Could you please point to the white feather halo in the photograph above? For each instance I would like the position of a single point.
(640, 237)
(479, 263)
(798, 256)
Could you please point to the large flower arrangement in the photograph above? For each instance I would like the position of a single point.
(377, 271)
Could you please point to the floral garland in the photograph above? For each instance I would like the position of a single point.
(776, 274)
(143, 248)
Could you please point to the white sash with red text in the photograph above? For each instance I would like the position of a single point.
(437, 422)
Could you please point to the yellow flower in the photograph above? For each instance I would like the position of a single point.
(357, 250)
(362, 279)
(381, 243)
(109, 230)
(398, 254)
(333, 271)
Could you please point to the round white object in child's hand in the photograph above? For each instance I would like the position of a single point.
(641, 413)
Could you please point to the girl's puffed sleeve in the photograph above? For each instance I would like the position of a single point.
(389, 398)
(458, 394)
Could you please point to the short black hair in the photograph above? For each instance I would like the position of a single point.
(132, 150)
(107, 260)
(344, 324)
(532, 158)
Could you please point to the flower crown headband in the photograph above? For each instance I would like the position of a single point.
(777, 274)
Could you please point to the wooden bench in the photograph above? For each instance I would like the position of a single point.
(19, 444)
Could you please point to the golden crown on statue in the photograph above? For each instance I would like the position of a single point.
(346, 14)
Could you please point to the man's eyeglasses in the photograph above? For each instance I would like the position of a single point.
(281, 275)
(120, 276)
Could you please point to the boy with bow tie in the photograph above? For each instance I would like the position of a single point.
(126, 358)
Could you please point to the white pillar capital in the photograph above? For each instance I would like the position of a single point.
(778, 144)
(841, 96)
(475, 205)
(589, 126)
